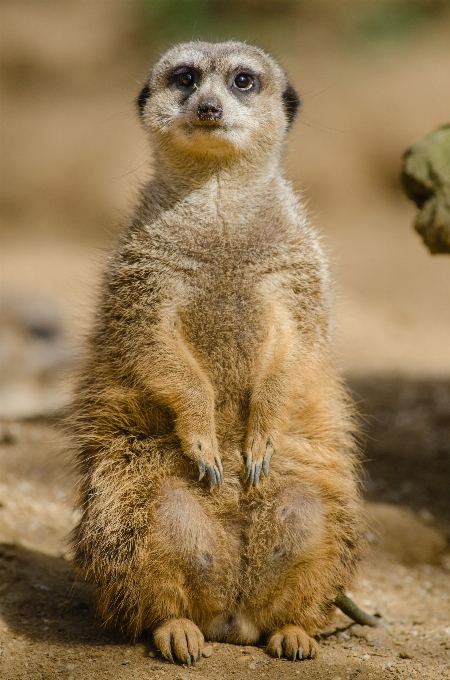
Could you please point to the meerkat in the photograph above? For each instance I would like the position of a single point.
(218, 471)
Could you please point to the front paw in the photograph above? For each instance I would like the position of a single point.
(259, 449)
(204, 451)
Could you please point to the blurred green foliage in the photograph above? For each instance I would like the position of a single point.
(352, 22)
(390, 21)
(180, 20)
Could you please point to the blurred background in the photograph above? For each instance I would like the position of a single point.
(373, 76)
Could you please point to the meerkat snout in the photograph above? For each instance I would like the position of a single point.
(209, 111)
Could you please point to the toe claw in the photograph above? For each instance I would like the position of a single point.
(201, 469)
(279, 652)
(257, 473)
(212, 476)
(252, 476)
(265, 465)
(248, 467)
(188, 660)
(219, 465)
(169, 656)
(312, 653)
(218, 476)
(294, 655)
(300, 654)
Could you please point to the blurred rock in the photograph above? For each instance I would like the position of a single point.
(34, 351)
(426, 181)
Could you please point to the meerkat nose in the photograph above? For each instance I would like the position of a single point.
(209, 111)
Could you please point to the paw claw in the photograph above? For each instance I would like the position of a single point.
(218, 475)
(252, 476)
(219, 465)
(258, 450)
(212, 476)
(265, 465)
(204, 452)
(257, 473)
(248, 467)
(201, 469)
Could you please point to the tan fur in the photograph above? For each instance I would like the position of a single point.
(212, 342)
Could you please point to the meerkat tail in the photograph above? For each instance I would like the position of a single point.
(350, 609)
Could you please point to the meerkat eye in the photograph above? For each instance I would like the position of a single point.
(186, 79)
(244, 81)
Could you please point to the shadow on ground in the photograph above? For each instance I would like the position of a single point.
(41, 599)
(406, 435)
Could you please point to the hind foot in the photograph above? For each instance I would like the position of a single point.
(180, 640)
(292, 643)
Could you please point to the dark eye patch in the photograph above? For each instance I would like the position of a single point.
(185, 77)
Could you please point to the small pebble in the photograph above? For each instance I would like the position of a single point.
(152, 655)
(70, 666)
(374, 643)
(207, 651)
(405, 654)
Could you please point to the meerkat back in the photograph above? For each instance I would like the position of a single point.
(217, 491)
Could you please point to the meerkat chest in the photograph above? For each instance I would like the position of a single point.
(223, 314)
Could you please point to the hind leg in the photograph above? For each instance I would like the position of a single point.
(158, 555)
(285, 534)
(192, 544)
(299, 555)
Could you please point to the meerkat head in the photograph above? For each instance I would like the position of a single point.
(217, 100)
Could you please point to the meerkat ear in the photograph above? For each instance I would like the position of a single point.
(291, 102)
(142, 99)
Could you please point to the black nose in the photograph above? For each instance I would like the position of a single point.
(209, 111)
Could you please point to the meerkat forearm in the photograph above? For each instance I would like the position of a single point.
(173, 376)
(269, 395)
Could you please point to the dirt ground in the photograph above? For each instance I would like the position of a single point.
(74, 153)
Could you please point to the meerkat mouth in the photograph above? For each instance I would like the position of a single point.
(209, 126)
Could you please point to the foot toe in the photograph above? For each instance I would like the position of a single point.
(179, 640)
(292, 642)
